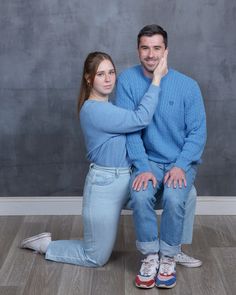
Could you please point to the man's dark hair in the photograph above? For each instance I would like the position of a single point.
(151, 30)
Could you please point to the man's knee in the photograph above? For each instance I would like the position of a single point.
(142, 198)
(173, 198)
(177, 196)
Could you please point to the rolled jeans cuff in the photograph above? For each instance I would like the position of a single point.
(168, 250)
(187, 237)
(148, 247)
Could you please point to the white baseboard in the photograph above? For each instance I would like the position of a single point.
(216, 205)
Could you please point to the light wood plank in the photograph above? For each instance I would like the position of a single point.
(76, 280)
(6, 290)
(226, 264)
(111, 280)
(25, 273)
(44, 277)
(9, 226)
(18, 263)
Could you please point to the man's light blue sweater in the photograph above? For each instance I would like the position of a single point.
(177, 132)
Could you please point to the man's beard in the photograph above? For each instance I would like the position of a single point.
(148, 69)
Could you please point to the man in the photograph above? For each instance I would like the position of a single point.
(168, 151)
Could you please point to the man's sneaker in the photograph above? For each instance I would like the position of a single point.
(147, 274)
(187, 261)
(166, 277)
(38, 243)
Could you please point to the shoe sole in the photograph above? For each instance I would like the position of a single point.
(165, 286)
(33, 239)
(198, 264)
(145, 286)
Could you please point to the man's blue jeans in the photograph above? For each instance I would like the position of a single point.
(172, 221)
(190, 207)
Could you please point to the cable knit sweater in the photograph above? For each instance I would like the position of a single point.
(177, 132)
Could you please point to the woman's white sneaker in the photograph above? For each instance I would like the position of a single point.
(188, 261)
(38, 243)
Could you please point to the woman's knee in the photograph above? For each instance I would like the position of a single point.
(97, 260)
(102, 261)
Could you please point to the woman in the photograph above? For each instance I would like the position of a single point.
(107, 183)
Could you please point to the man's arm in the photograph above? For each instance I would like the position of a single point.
(195, 121)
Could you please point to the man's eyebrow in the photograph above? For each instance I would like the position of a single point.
(146, 46)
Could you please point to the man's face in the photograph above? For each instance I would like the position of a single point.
(150, 51)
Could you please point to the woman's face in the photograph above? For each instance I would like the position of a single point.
(104, 80)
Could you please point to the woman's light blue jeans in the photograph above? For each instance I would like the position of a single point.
(172, 221)
(105, 193)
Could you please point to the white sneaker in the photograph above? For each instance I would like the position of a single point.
(188, 261)
(38, 243)
(147, 274)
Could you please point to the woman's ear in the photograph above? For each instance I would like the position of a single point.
(88, 81)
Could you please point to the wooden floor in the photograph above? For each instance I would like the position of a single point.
(25, 273)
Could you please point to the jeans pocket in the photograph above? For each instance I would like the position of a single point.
(103, 179)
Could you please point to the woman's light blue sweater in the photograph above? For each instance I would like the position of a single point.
(105, 125)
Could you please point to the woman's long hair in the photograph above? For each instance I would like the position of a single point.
(91, 65)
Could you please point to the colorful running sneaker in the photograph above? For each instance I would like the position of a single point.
(148, 271)
(188, 261)
(166, 277)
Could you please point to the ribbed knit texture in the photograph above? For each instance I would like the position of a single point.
(177, 133)
(105, 125)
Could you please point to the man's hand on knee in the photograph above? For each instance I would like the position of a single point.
(175, 176)
(141, 181)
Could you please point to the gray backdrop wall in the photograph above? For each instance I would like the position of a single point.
(42, 47)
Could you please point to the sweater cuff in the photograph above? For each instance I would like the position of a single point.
(154, 88)
(141, 167)
(183, 164)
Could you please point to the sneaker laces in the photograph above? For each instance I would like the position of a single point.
(183, 257)
(166, 266)
(148, 266)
